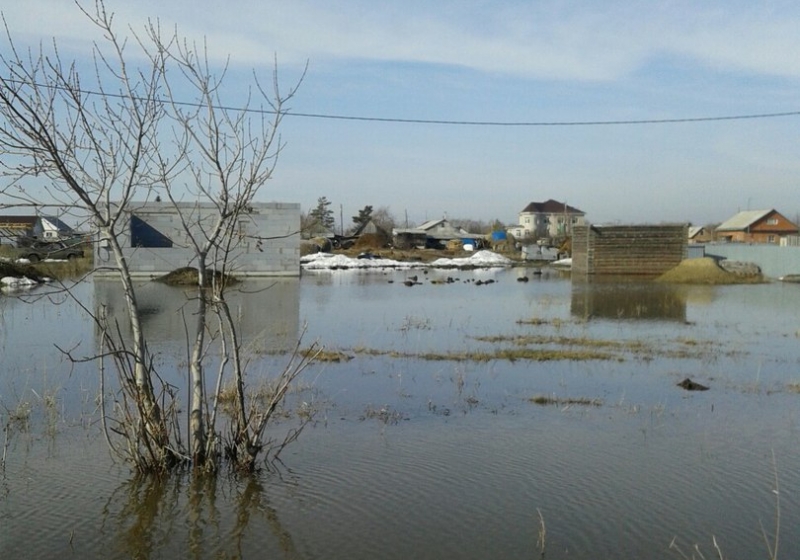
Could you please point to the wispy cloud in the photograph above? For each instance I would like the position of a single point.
(541, 40)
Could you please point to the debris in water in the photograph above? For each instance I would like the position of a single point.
(690, 385)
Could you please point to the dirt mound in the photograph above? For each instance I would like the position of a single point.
(705, 271)
(372, 241)
(189, 276)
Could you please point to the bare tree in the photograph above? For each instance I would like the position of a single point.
(133, 132)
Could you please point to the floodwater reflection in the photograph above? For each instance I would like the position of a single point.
(619, 298)
(194, 516)
(267, 312)
(473, 456)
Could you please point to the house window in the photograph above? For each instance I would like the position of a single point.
(770, 239)
(772, 222)
(527, 220)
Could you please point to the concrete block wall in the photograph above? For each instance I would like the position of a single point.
(266, 240)
(775, 261)
(627, 249)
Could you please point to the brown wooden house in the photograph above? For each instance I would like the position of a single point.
(700, 234)
(756, 226)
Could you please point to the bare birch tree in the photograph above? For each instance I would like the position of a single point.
(100, 144)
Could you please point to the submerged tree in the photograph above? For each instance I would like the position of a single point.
(99, 145)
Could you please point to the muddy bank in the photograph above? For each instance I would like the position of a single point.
(189, 276)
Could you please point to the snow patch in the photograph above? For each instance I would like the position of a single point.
(481, 259)
(12, 283)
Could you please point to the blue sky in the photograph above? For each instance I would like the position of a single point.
(506, 61)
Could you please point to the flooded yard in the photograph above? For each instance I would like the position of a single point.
(474, 414)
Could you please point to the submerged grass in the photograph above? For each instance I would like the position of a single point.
(538, 321)
(544, 400)
(509, 354)
(686, 348)
(335, 356)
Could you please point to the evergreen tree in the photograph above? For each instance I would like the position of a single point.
(364, 215)
(322, 214)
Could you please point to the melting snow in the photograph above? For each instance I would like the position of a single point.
(11, 283)
(481, 259)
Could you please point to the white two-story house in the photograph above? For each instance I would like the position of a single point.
(547, 219)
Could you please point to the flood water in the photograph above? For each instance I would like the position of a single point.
(415, 457)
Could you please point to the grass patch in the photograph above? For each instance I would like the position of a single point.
(537, 321)
(686, 348)
(793, 388)
(509, 354)
(539, 340)
(334, 356)
(385, 414)
(58, 270)
(544, 400)
(62, 270)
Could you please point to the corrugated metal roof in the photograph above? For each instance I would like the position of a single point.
(743, 220)
(431, 223)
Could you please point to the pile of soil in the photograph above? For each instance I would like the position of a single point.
(372, 241)
(189, 276)
(705, 271)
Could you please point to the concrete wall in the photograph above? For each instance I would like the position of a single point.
(627, 249)
(775, 261)
(267, 242)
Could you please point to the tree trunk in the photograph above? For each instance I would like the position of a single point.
(197, 428)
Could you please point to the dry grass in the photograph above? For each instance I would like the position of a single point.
(793, 387)
(62, 270)
(59, 270)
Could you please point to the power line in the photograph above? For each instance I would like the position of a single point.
(548, 123)
(444, 122)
